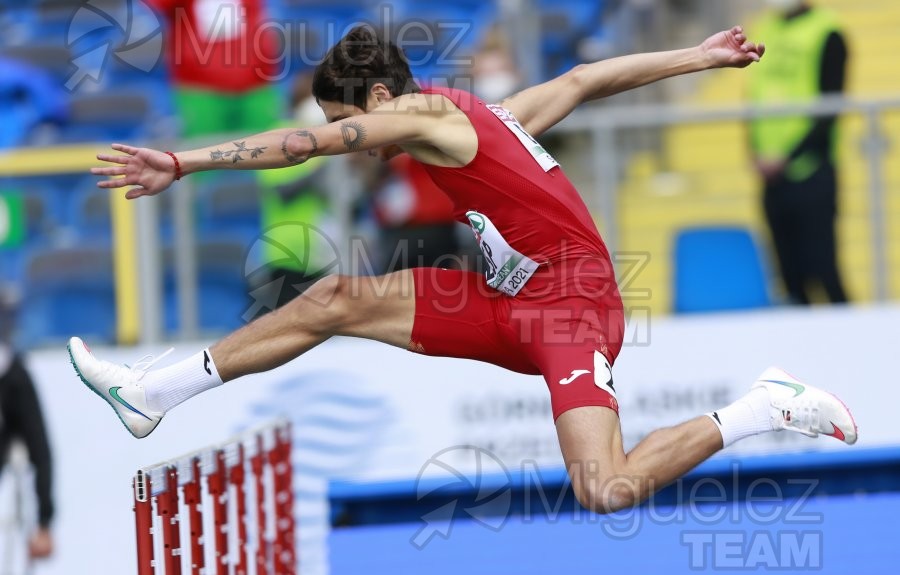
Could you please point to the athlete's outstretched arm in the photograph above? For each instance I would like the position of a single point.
(542, 106)
(149, 172)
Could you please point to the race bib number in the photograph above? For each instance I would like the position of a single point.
(537, 151)
(506, 269)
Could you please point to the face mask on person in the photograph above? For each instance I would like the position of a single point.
(492, 88)
(309, 114)
(785, 5)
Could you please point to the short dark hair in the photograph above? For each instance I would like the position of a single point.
(357, 62)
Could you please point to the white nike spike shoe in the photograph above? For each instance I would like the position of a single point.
(805, 409)
(119, 385)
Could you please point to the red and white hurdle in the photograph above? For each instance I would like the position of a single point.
(233, 503)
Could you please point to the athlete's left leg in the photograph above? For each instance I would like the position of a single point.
(583, 397)
(606, 479)
(574, 341)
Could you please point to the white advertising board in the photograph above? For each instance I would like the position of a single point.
(368, 412)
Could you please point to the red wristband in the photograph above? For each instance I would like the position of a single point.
(178, 172)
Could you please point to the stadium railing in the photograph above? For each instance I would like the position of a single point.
(641, 218)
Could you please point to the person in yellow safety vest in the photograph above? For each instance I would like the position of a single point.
(795, 156)
(297, 221)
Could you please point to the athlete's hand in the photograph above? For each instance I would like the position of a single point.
(149, 171)
(731, 49)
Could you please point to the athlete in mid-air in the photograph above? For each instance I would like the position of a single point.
(548, 303)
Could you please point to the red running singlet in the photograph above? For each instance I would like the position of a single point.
(565, 320)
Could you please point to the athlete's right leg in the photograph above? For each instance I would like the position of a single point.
(427, 310)
(380, 308)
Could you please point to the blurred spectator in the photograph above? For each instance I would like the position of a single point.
(21, 418)
(223, 60)
(296, 211)
(806, 58)
(414, 216)
(494, 72)
(31, 101)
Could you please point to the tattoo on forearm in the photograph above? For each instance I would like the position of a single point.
(300, 134)
(354, 135)
(235, 155)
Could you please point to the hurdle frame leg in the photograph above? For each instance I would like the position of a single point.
(280, 460)
(191, 491)
(167, 509)
(143, 520)
(262, 544)
(219, 492)
(236, 476)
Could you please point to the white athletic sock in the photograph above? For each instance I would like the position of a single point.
(746, 417)
(173, 385)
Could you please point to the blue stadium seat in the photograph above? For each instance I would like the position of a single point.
(53, 18)
(582, 15)
(221, 291)
(11, 265)
(38, 224)
(457, 28)
(69, 291)
(564, 23)
(718, 269)
(56, 193)
(31, 96)
(110, 116)
(229, 205)
(316, 26)
(92, 214)
(52, 59)
(153, 82)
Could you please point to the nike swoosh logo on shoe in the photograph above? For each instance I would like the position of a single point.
(838, 434)
(114, 392)
(798, 389)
